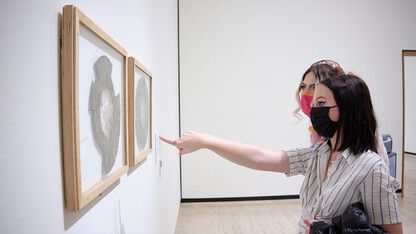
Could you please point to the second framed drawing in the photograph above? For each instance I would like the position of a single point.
(140, 111)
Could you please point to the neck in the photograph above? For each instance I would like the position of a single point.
(334, 153)
(333, 142)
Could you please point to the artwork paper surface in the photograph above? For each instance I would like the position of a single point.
(100, 108)
(142, 111)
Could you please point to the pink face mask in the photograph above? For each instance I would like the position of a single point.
(306, 103)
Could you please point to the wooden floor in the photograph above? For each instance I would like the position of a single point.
(274, 216)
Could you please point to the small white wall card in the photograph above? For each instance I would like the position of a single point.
(94, 109)
(140, 111)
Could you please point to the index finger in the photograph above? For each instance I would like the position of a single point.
(169, 141)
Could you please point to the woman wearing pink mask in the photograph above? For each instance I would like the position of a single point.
(315, 74)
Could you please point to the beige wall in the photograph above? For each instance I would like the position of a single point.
(241, 62)
(145, 200)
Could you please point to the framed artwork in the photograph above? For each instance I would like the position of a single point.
(94, 118)
(140, 111)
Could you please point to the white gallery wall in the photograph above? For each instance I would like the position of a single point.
(241, 63)
(410, 103)
(144, 200)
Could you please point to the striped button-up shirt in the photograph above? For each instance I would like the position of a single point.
(352, 178)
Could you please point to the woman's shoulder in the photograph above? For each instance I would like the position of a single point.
(373, 169)
(371, 161)
(371, 156)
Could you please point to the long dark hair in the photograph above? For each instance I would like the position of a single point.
(321, 72)
(357, 123)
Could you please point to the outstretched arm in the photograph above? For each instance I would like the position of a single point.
(243, 154)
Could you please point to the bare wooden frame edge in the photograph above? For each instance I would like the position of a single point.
(74, 197)
(404, 54)
(133, 158)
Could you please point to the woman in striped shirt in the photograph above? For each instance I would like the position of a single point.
(338, 172)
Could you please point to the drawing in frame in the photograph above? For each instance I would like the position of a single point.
(94, 118)
(139, 111)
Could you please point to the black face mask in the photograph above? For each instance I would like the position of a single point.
(321, 122)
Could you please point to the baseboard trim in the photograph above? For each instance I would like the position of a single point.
(227, 199)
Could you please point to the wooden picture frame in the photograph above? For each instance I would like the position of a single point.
(94, 119)
(405, 53)
(139, 111)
